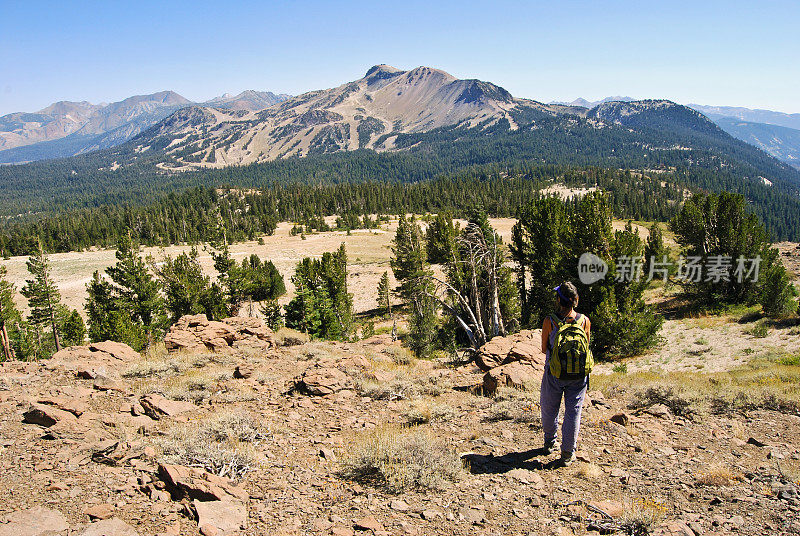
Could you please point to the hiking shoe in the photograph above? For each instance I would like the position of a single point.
(567, 458)
(549, 447)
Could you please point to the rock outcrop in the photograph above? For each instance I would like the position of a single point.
(196, 333)
(106, 358)
(514, 361)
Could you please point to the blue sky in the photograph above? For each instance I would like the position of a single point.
(723, 53)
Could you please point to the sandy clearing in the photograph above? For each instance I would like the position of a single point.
(368, 256)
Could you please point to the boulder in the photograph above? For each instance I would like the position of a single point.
(36, 521)
(88, 361)
(515, 374)
(156, 406)
(109, 452)
(76, 406)
(226, 517)
(195, 483)
(243, 371)
(108, 527)
(321, 381)
(47, 416)
(117, 350)
(108, 382)
(523, 346)
(195, 333)
(99, 511)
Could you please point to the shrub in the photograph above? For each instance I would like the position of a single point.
(759, 330)
(678, 404)
(620, 368)
(718, 476)
(401, 460)
(223, 445)
(426, 413)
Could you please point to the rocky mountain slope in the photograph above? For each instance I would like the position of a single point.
(69, 128)
(383, 111)
(368, 113)
(272, 434)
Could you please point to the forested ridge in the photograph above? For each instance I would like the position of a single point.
(86, 200)
(196, 214)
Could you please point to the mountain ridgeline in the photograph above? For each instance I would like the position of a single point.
(69, 128)
(402, 127)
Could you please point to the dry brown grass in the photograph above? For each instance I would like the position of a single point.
(400, 459)
(423, 412)
(718, 476)
(769, 381)
(588, 471)
(641, 514)
(511, 404)
(225, 444)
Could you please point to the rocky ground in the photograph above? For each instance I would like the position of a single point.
(272, 434)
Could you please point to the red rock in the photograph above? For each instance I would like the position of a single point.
(36, 521)
(195, 333)
(523, 346)
(75, 406)
(87, 361)
(672, 528)
(47, 416)
(109, 527)
(243, 371)
(225, 516)
(517, 374)
(99, 511)
(156, 406)
(613, 508)
(197, 484)
(369, 523)
(620, 418)
(323, 381)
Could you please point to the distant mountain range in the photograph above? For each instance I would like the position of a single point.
(777, 133)
(591, 104)
(393, 125)
(70, 128)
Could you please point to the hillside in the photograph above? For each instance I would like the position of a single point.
(750, 115)
(277, 435)
(367, 113)
(781, 142)
(69, 128)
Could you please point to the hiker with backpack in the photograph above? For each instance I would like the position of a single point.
(565, 341)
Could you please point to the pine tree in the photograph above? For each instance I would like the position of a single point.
(441, 238)
(188, 290)
(263, 282)
(128, 307)
(322, 306)
(384, 295)
(72, 327)
(8, 313)
(408, 261)
(719, 226)
(43, 296)
(416, 286)
(656, 254)
(549, 238)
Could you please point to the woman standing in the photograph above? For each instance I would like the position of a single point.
(565, 341)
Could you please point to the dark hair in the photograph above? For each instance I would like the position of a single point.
(567, 294)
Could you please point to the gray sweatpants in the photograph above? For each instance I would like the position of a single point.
(573, 392)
